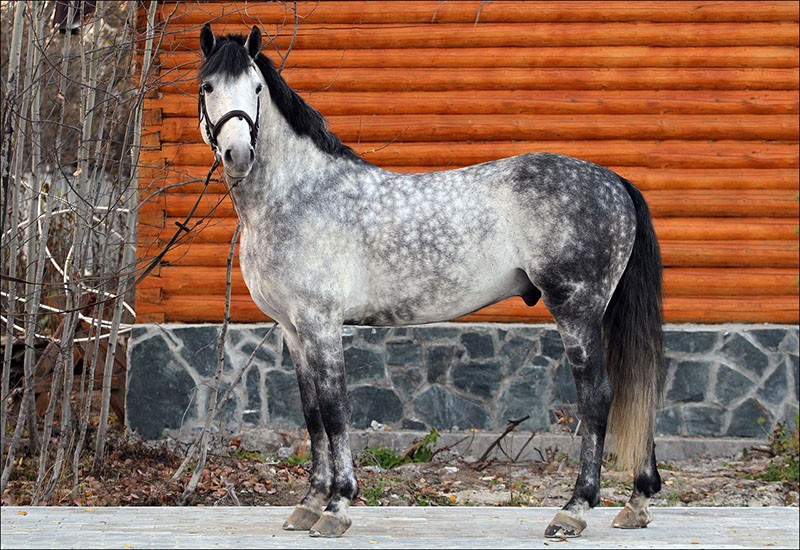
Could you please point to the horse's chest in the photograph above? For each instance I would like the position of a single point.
(255, 263)
(279, 268)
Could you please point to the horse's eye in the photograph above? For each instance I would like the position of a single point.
(208, 88)
(258, 89)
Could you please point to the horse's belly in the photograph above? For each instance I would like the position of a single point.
(407, 303)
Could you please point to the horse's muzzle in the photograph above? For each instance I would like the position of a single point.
(238, 160)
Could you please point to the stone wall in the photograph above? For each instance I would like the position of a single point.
(731, 380)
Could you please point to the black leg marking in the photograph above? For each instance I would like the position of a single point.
(319, 493)
(322, 346)
(581, 331)
(635, 514)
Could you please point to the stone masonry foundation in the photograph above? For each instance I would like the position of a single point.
(722, 381)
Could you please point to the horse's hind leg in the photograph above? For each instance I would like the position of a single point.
(646, 483)
(310, 508)
(581, 332)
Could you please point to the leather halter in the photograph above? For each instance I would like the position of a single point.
(213, 129)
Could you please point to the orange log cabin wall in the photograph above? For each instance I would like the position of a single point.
(695, 102)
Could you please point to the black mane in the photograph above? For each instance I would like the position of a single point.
(230, 58)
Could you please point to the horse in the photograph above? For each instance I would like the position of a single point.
(330, 239)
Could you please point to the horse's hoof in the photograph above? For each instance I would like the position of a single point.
(329, 525)
(301, 519)
(565, 525)
(628, 518)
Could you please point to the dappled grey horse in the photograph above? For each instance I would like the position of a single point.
(330, 239)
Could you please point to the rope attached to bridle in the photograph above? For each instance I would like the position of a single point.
(182, 226)
(212, 131)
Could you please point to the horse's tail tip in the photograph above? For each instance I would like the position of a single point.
(633, 333)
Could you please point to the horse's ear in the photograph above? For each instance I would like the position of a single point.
(254, 42)
(207, 40)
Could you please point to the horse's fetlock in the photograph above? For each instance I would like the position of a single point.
(648, 483)
(347, 488)
(322, 487)
(585, 496)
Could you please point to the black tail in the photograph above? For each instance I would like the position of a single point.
(633, 334)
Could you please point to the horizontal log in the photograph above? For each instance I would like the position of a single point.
(396, 80)
(704, 282)
(370, 36)
(190, 179)
(723, 229)
(531, 57)
(679, 253)
(532, 102)
(153, 116)
(738, 309)
(663, 203)
(717, 309)
(661, 154)
(655, 154)
(159, 318)
(690, 178)
(190, 309)
(744, 203)
(190, 281)
(676, 178)
(751, 253)
(220, 230)
(741, 309)
(435, 11)
(432, 128)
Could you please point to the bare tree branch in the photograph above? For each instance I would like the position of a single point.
(211, 413)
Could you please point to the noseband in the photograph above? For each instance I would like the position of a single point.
(213, 129)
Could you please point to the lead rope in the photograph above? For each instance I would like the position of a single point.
(211, 131)
(182, 227)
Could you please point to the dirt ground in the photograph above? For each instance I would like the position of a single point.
(137, 474)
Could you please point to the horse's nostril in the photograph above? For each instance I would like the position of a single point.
(252, 155)
(228, 156)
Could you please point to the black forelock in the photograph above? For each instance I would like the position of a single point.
(230, 58)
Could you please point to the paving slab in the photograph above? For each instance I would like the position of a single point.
(389, 527)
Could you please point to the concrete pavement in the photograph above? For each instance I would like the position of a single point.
(389, 527)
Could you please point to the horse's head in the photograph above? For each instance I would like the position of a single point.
(231, 87)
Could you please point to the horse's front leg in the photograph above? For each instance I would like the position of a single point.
(321, 345)
(310, 508)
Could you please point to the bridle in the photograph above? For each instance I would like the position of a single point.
(213, 129)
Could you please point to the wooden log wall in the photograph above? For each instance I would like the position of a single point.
(696, 102)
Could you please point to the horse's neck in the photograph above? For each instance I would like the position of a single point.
(287, 167)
